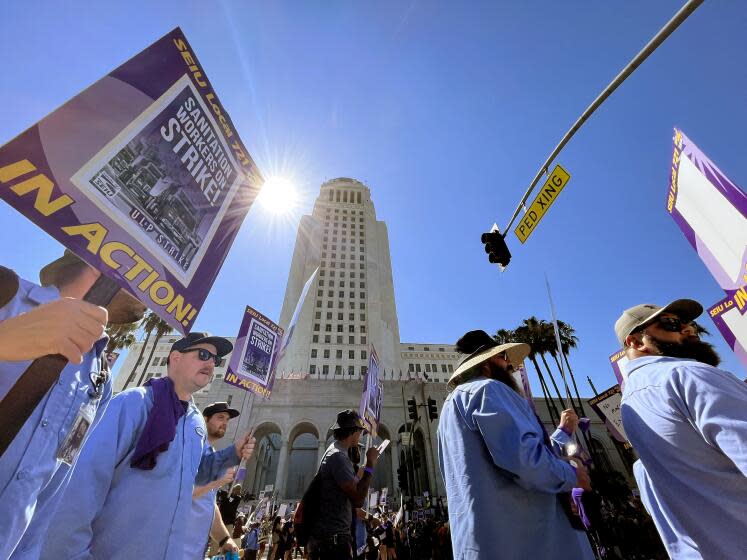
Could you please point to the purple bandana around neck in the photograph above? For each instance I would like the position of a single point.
(160, 428)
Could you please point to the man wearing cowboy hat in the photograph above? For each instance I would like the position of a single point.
(205, 520)
(130, 494)
(35, 321)
(687, 420)
(330, 538)
(502, 477)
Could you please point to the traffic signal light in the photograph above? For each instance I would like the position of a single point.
(432, 409)
(402, 478)
(496, 248)
(412, 409)
(415, 459)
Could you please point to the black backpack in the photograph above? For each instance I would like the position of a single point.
(308, 509)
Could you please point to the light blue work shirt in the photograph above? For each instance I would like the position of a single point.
(502, 480)
(115, 512)
(688, 423)
(31, 477)
(199, 521)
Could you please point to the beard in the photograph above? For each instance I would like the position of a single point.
(216, 433)
(695, 349)
(504, 376)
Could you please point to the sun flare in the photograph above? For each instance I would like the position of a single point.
(278, 195)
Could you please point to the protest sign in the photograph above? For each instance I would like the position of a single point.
(373, 500)
(384, 494)
(370, 405)
(616, 360)
(142, 175)
(252, 365)
(729, 317)
(711, 211)
(281, 511)
(607, 406)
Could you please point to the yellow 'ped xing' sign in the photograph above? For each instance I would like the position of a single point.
(550, 191)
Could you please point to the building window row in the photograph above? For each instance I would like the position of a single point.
(338, 195)
(337, 371)
(431, 368)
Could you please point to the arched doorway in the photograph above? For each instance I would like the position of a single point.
(382, 477)
(420, 462)
(411, 449)
(302, 459)
(599, 454)
(262, 469)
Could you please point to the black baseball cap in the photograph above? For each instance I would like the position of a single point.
(222, 345)
(217, 407)
(348, 419)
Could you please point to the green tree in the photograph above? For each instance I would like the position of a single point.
(568, 340)
(121, 335)
(530, 334)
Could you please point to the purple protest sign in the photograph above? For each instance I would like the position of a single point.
(711, 211)
(370, 405)
(729, 316)
(616, 360)
(253, 361)
(142, 175)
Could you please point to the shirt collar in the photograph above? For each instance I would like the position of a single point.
(630, 366)
(43, 294)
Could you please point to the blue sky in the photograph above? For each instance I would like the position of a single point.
(445, 110)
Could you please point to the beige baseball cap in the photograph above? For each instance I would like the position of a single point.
(639, 315)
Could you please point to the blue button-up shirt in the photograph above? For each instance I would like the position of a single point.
(688, 423)
(111, 510)
(502, 480)
(200, 520)
(31, 478)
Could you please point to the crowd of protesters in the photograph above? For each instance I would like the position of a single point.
(137, 476)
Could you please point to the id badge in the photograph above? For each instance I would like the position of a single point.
(73, 441)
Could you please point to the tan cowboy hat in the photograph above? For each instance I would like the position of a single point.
(515, 351)
(124, 307)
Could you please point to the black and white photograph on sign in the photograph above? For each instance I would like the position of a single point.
(168, 178)
(258, 352)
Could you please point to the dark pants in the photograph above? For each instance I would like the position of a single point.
(250, 554)
(331, 549)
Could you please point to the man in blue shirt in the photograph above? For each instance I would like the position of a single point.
(36, 321)
(687, 420)
(250, 543)
(205, 520)
(502, 478)
(131, 492)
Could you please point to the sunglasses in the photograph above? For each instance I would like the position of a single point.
(671, 324)
(203, 355)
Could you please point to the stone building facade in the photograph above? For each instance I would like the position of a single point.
(350, 307)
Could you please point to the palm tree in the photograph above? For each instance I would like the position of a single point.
(504, 336)
(149, 324)
(121, 335)
(568, 340)
(545, 344)
(529, 334)
(161, 328)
